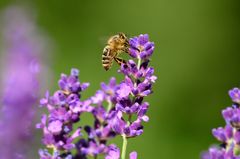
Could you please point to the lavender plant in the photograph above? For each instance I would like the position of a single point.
(229, 136)
(19, 82)
(123, 115)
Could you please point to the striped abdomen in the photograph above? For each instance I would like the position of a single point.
(107, 58)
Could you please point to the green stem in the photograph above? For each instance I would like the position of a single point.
(139, 63)
(109, 106)
(124, 147)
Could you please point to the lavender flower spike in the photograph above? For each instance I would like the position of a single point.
(19, 85)
(65, 108)
(229, 136)
(137, 85)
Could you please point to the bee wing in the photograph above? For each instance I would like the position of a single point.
(103, 40)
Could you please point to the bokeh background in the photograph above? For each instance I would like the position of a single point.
(196, 60)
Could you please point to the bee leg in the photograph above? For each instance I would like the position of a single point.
(126, 50)
(119, 60)
(126, 47)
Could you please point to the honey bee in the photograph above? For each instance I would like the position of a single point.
(115, 45)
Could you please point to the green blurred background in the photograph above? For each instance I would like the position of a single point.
(196, 60)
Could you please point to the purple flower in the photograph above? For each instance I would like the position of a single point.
(113, 152)
(109, 89)
(99, 97)
(141, 47)
(214, 153)
(124, 90)
(235, 95)
(232, 116)
(93, 149)
(55, 127)
(20, 83)
(223, 134)
(65, 108)
(71, 84)
(117, 123)
(128, 109)
(229, 136)
(133, 155)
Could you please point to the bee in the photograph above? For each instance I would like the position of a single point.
(116, 44)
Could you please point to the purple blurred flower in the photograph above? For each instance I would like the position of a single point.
(55, 127)
(133, 155)
(20, 83)
(232, 116)
(113, 152)
(235, 95)
(229, 136)
(93, 149)
(214, 153)
(124, 90)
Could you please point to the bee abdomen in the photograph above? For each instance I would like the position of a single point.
(107, 60)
